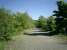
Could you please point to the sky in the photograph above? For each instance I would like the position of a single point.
(35, 8)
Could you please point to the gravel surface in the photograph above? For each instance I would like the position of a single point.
(28, 42)
(36, 43)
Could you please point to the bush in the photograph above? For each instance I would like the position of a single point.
(11, 24)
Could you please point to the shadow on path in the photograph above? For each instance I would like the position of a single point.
(37, 31)
(36, 34)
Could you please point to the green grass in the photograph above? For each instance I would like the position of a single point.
(61, 37)
(3, 44)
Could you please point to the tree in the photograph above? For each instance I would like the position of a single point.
(51, 23)
(42, 22)
(62, 12)
(24, 20)
(6, 24)
(12, 24)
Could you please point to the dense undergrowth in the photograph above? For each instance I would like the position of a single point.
(13, 23)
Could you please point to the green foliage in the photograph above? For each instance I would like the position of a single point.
(5, 24)
(11, 23)
(24, 20)
(41, 22)
(51, 24)
(47, 24)
(62, 11)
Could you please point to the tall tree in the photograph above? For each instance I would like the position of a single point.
(61, 14)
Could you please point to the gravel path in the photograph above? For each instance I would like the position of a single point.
(27, 42)
(36, 43)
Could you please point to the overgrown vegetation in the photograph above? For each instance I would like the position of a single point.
(13, 23)
(47, 24)
(57, 23)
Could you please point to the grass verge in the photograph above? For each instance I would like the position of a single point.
(3, 44)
